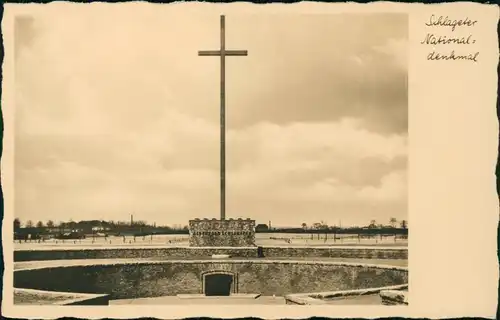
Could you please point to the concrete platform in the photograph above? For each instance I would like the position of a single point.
(174, 300)
(232, 296)
(221, 256)
(394, 297)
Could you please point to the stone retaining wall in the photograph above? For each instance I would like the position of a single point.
(166, 278)
(132, 253)
(337, 252)
(186, 252)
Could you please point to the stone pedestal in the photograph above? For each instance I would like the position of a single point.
(222, 233)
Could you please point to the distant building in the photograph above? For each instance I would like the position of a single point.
(99, 229)
(222, 233)
(261, 227)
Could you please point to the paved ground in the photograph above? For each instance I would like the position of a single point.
(49, 263)
(174, 300)
(373, 299)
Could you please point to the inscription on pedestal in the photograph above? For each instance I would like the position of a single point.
(222, 233)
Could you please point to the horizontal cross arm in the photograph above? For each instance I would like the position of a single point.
(211, 53)
(236, 53)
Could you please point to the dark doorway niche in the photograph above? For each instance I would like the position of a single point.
(260, 252)
(218, 284)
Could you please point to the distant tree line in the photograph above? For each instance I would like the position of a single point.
(393, 227)
(90, 227)
(143, 228)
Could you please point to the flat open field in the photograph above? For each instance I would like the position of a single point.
(261, 239)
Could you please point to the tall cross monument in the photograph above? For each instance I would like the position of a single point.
(230, 232)
(222, 53)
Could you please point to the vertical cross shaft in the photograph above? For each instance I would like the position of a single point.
(223, 53)
(222, 118)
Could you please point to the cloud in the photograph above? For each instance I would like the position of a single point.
(317, 118)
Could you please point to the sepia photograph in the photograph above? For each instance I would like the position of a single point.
(210, 159)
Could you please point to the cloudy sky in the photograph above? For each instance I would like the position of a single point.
(116, 116)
